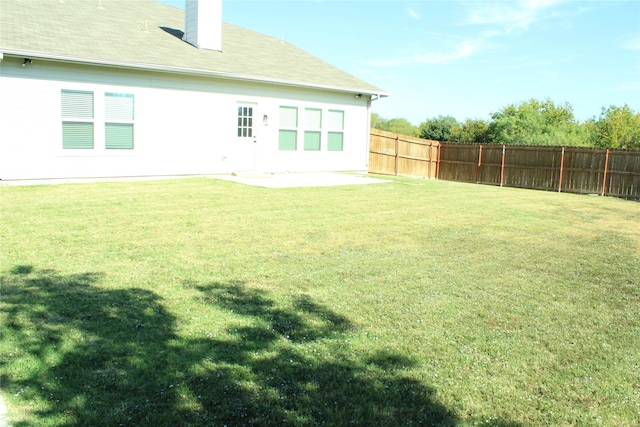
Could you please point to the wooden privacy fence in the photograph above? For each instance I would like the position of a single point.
(401, 155)
(607, 172)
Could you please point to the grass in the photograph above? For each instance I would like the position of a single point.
(204, 302)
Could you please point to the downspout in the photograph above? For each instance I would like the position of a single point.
(368, 133)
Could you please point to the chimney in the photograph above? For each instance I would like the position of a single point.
(203, 24)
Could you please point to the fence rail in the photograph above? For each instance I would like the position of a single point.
(607, 172)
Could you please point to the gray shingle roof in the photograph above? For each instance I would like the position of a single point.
(146, 34)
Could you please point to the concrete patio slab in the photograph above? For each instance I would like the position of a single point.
(306, 179)
(266, 180)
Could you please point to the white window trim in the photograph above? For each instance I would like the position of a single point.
(289, 128)
(99, 148)
(119, 121)
(316, 130)
(335, 130)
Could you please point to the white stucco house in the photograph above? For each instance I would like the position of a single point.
(126, 88)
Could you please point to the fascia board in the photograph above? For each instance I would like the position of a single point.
(183, 71)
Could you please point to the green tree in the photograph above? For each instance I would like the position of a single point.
(396, 125)
(402, 127)
(617, 127)
(472, 130)
(438, 128)
(536, 122)
(378, 122)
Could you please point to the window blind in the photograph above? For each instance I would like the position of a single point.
(77, 104)
(118, 107)
(77, 135)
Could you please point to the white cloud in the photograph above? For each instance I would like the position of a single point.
(632, 44)
(460, 51)
(499, 18)
(510, 15)
(463, 50)
(536, 4)
(413, 14)
(498, 14)
(629, 87)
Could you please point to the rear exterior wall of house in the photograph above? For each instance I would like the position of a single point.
(61, 120)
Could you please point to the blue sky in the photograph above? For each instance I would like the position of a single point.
(466, 59)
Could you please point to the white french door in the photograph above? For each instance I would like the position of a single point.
(245, 152)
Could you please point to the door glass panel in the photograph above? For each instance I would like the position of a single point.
(245, 122)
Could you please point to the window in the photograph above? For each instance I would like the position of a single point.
(288, 134)
(245, 122)
(335, 137)
(118, 126)
(77, 119)
(313, 126)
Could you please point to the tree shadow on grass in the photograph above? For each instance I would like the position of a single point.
(297, 372)
(80, 354)
(86, 355)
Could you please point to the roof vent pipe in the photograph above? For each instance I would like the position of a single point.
(203, 24)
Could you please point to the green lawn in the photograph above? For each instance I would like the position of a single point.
(205, 302)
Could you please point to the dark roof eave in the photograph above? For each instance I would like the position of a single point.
(185, 71)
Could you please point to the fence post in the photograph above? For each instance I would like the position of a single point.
(561, 171)
(395, 169)
(429, 159)
(606, 169)
(438, 161)
(479, 165)
(504, 148)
